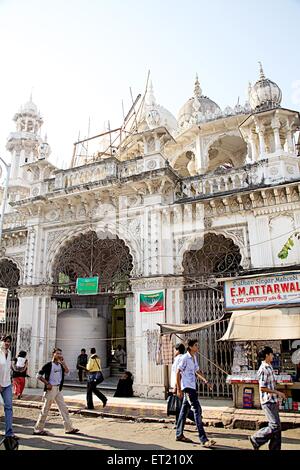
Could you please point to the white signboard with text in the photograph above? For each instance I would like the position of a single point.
(3, 298)
(264, 291)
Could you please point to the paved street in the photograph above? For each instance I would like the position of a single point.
(115, 434)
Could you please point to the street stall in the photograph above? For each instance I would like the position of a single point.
(266, 312)
(167, 330)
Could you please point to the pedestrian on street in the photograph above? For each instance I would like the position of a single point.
(179, 351)
(52, 375)
(269, 404)
(5, 384)
(187, 371)
(82, 360)
(94, 366)
(19, 373)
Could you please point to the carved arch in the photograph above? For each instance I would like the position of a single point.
(102, 230)
(197, 242)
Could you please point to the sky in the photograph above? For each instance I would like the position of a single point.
(79, 58)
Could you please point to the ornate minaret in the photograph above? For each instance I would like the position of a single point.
(24, 143)
(269, 131)
(26, 147)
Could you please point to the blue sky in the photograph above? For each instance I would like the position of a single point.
(79, 57)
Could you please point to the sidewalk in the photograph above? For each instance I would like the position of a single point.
(218, 413)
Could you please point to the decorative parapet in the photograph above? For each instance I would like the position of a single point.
(162, 282)
(200, 117)
(85, 174)
(40, 290)
(264, 173)
(103, 170)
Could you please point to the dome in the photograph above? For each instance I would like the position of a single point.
(197, 108)
(30, 107)
(264, 94)
(154, 115)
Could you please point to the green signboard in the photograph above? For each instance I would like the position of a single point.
(87, 285)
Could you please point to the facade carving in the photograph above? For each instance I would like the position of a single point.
(165, 192)
(35, 291)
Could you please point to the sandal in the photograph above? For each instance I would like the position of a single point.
(41, 433)
(73, 431)
(210, 443)
(184, 439)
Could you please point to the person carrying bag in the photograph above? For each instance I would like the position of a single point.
(94, 378)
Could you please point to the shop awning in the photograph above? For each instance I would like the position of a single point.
(183, 328)
(266, 324)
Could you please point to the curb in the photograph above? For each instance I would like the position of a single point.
(235, 419)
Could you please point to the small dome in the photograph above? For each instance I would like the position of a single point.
(264, 94)
(197, 108)
(154, 115)
(30, 107)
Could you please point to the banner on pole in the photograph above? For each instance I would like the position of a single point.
(3, 298)
(87, 285)
(153, 301)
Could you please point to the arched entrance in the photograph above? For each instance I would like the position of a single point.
(98, 320)
(9, 278)
(218, 257)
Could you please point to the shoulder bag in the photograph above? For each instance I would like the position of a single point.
(173, 405)
(96, 377)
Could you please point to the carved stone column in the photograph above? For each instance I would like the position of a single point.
(150, 377)
(276, 127)
(167, 242)
(253, 146)
(37, 326)
(289, 139)
(262, 145)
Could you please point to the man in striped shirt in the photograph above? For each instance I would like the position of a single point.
(269, 404)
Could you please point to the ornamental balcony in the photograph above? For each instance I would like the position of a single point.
(264, 173)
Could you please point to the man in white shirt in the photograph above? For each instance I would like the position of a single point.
(187, 371)
(179, 351)
(5, 383)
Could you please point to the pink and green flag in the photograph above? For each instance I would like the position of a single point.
(152, 301)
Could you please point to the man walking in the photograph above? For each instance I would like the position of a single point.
(5, 383)
(93, 366)
(179, 351)
(269, 404)
(52, 375)
(81, 364)
(187, 371)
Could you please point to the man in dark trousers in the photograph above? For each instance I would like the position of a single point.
(52, 375)
(187, 370)
(81, 364)
(179, 352)
(5, 384)
(93, 366)
(269, 404)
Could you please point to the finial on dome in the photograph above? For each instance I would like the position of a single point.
(197, 89)
(150, 98)
(261, 72)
